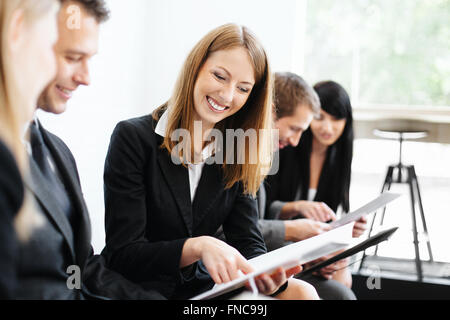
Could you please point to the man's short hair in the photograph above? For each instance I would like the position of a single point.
(96, 8)
(292, 91)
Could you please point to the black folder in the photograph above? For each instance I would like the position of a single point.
(370, 242)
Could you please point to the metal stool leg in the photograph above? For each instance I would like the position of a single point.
(414, 222)
(422, 214)
(386, 186)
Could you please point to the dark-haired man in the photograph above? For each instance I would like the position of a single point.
(296, 105)
(58, 261)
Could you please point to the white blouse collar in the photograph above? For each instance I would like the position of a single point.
(161, 130)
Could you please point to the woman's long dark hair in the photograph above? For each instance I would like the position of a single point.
(334, 182)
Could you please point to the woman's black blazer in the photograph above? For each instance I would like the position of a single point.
(11, 197)
(149, 214)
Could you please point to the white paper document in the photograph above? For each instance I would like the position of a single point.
(288, 257)
(371, 207)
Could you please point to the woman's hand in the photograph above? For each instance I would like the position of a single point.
(301, 229)
(318, 211)
(329, 271)
(222, 261)
(360, 227)
(269, 284)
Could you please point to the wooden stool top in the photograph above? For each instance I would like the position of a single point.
(400, 134)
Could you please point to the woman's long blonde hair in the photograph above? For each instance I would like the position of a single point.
(13, 113)
(256, 113)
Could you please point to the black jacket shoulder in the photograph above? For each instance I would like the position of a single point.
(142, 128)
(11, 186)
(135, 138)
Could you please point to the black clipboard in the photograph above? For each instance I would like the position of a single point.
(370, 242)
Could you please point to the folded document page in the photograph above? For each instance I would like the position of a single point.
(371, 207)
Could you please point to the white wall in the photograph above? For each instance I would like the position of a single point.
(142, 49)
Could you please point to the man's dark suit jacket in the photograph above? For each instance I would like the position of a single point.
(149, 213)
(57, 245)
(11, 197)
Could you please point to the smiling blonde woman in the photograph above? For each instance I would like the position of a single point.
(161, 216)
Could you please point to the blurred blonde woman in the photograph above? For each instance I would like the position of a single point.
(28, 31)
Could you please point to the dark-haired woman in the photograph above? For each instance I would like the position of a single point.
(314, 177)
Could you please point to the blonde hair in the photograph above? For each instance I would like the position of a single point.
(12, 110)
(256, 113)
